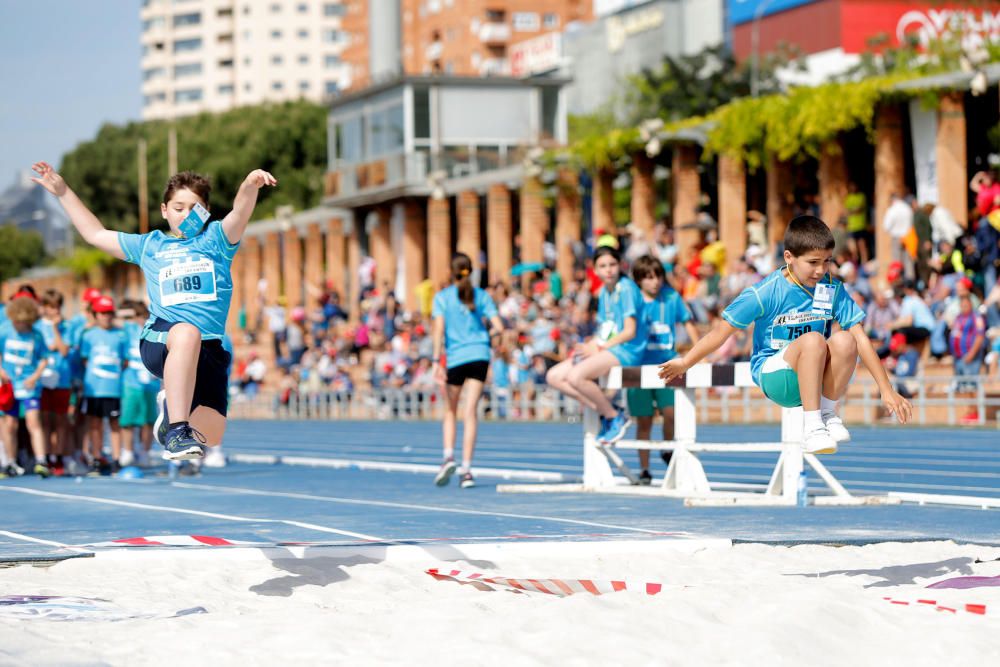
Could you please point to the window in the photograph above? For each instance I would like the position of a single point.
(153, 98)
(334, 9)
(226, 38)
(247, 61)
(496, 15)
(247, 87)
(246, 10)
(224, 64)
(331, 60)
(152, 73)
(224, 12)
(303, 59)
(225, 89)
(187, 69)
(303, 8)
(303, 86)
(277, 60)
(194, 18)
(550, 20)
(247, 35)
(187, 95)
(303, 34)
(332, 36)
(421, 113)
(184, 45)
(276, 8)
(153, 23)
(525, 21)
(332, 88)
(277, 85)
(275, 34)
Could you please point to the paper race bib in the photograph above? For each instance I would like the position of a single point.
(187, 282)
(823, 299)
(786, 328)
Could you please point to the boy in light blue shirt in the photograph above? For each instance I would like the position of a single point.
(103, 352)
(57, 381)
(189, 286)
(22, 363)
(139, 389)
(808, 333)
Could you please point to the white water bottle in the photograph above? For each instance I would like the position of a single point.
(802, 491)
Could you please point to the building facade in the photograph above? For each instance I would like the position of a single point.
(214, 55)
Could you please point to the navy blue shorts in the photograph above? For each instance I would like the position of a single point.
(211, 386)
(473, 370)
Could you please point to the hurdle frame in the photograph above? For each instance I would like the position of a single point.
(686, 477)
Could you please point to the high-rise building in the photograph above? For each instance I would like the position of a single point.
(454, 37)
(213, 55)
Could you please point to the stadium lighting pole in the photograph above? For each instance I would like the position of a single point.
(755, 47)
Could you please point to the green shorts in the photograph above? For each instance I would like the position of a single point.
(779, 382)
(646, 402)
(139, 407)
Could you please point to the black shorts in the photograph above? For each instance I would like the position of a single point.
(474, 370)
(101, 407)
(211, 386)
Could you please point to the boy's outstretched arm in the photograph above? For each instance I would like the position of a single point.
(235, 223)
(90, 228)
(894, 403)
(704, 347)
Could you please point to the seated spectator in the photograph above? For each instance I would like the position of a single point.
(915, 319)
(903, 362)
(968, 335)
(880, 316)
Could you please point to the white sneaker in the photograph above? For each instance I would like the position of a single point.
(819, 441)
(126, 459)
(839, 432)
(214, 458)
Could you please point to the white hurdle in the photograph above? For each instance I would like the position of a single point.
(686, 477)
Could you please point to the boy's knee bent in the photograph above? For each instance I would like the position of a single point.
(843, 344)
(811, 340)
(183, 334)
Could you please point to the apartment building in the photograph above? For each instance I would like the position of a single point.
(213, 55)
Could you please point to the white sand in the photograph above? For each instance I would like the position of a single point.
(741, 605)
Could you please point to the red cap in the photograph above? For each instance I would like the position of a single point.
(24, 294)
(90, 294)
(966, 283)
(894, 272)
(103, 304)
(897, 342)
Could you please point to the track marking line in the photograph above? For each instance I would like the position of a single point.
(38, 540)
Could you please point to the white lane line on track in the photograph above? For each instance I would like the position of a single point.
(38, 540)
(178, 510)
(409, 506)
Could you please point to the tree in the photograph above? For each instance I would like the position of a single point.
(18, 250)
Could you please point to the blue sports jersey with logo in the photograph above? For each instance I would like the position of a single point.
(22, 352)
(59, 372)
(104, 351)
(466, 337)
(624, 301)
(662, 316)
(135, 375)
(781, 311)
(187, 280)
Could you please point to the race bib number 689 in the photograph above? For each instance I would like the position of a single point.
(187, 282)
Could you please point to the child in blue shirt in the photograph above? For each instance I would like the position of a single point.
(57, 380)
(663, 311)
(620, 341)
(139, 389)
(189, 285)
(103, 352)
(22, 363)
(461, 313)
(798, 358)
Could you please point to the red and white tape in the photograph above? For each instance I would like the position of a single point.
(173, 541)
(971, 608)
(557, 587)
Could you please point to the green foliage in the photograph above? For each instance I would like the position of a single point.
(598, 141)
(289, 140)
(19, 250)
(84, 260)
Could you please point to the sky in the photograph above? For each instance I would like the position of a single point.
(66, 68)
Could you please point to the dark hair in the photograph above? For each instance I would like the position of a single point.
(647, 266)
(806, 233)
(52, 298)
(461, 275)
(607, 250)
(188, 180)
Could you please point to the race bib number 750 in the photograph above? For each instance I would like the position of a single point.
(187, 282)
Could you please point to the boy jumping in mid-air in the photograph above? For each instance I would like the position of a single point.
(798, 358)
(189, 285)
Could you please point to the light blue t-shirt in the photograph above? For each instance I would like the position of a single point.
(916, 308)
(135, 375)
(104, 351)
(662, 315)
(782, 311)
(187, 280)
(466, 337)
(624, 301)
(22, 352)
(77, 325)
(59, 366)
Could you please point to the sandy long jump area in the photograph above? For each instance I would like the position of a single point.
(734, 605)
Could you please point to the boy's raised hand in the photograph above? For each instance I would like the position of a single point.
(49, 179)
(672, 369)
(898, 406)
(259, 178)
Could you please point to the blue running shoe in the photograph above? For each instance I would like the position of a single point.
(616, 428)
(183, 443)
(162, 423)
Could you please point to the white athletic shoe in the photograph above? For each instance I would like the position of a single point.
(839, 432)
(214, 458)
(126, 459)
(819, 441)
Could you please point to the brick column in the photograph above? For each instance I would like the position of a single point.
(314, 261)
(414, 251)
(952, 174)
(272, 266)
(499, 233)
(336, 257)
(602, 201)
(687, 193)
(643, 194)
(889, 176)
(380, 247)
(291, 267)
(534, 220)
(732, 206)
(353, 296)
(780, 194)
(439, 241)
(237, 300)
(250, 276)
(468, 240)
(832, 182)
(567, 222)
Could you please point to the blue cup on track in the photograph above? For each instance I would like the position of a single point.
(130, 472)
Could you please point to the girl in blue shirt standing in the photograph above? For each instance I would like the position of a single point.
(620, 341)
(461, 313)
